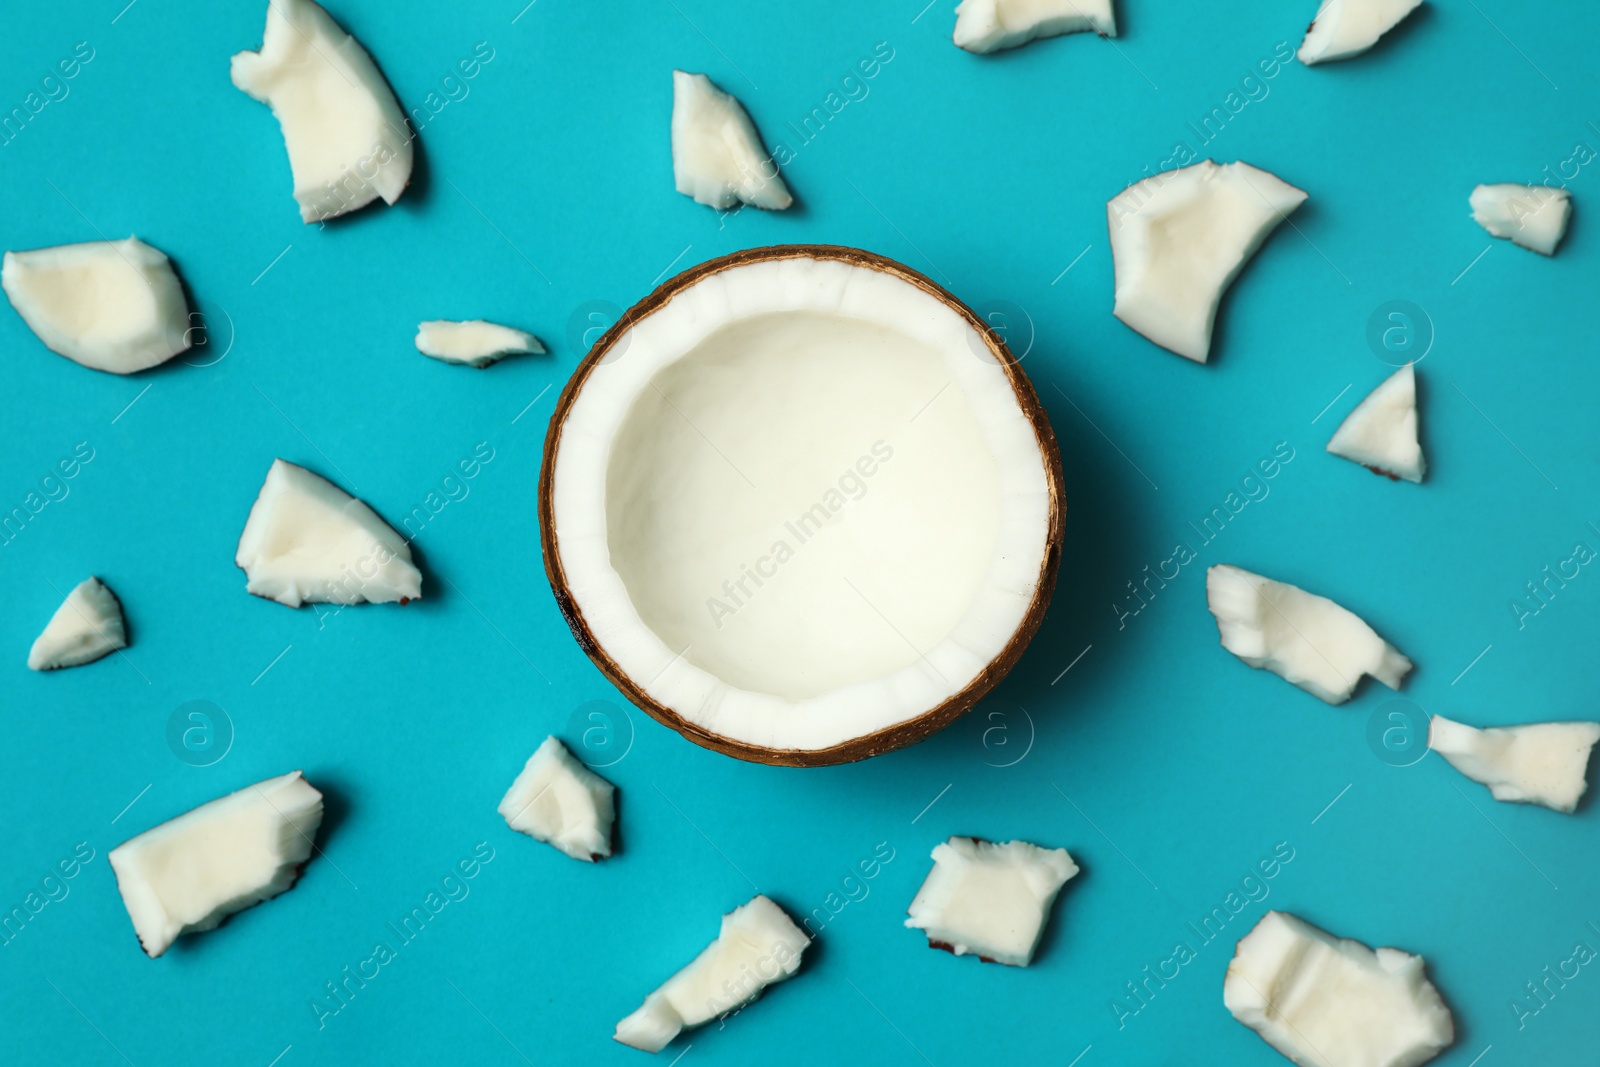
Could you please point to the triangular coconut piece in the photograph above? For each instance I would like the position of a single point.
(1540, 763)
(189, 874)
(990, 25)
(475, 343)
(1303, 638)
(115, 306)
(347, 137)
(86, 626)
(558, 800)
(1534, 217)
(308, 541)
(717, 156)
(1381, 433)
(990, 900)
(1345, 28)
(1179, 238)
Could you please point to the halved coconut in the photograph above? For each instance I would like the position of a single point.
(86, 626)
(309, 542)
(1381, 433)
(112, 305)
(990, 25)
(1531, 216)
(717, 156)
(990, 900)
(1345, 28)
(475, 343)
(558, 800)
(807, 511)
(347, 137)
(189, 874)
(1179, 238)
(1537, 763)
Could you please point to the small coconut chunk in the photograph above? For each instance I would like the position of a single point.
(475, 343)
(1327, 1002)
(347, 137)
(1531, 216)
(1381, 432)
(558, 800)
(86, 626)
(990, 900)
(758, 946)
(1301, 637)
(189, 874)
(1179, 238)
(717, 156)
(115, 306)
(308, 541)
(1539, 763)
(990, 25)
(1345, 28)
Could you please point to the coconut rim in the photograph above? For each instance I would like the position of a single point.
(908, 731)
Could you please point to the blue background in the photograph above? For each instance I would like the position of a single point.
(1165, 766)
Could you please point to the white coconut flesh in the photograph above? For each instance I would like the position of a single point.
(1539, 763)
(990, 25)
(558, 800)
(1531, 216)
(1178, 239)
(86, 626)
(347, 137)
(1345, 28)
(1306, 639)
(1325, 1001)
(758, 945)
(1381, 432)
(115, 306)
(189, 874)
(474, 343)
(798, 507)
(308, 541)
(990, 900)
(717, 156)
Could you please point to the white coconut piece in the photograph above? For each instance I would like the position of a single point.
(1538, 763)
(758, 946)
(558, 800)
(1303, 638)
(1381, 433)
(347, 137)
(717, 156)
(86, 626)
(991, 25)
(990, 900)
(1530, 216)
(308, 541)
(1178, 239)
(1324, 1001)
(475, 343)
(189, 874)
(115, 306)
(1345, 28)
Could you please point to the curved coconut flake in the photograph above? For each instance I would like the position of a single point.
(717, 156)
(1539, 763)
(86, 626)
(189, 874)
(990, 900)
(1305, 639)
(1381, 433)
(558, 800)
(1531, 216)
(475, 343)
(308, 541)
(115, 306)
(759, 945)
(990, 25)
(1178, 240)
(1324, 1001)
(1345, 28)
(347, 137)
